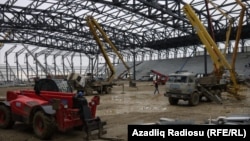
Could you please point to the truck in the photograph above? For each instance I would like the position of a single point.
(103, 85)
(51, 106)
(192, 87)
(88, 84)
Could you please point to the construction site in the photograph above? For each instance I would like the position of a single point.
(85, 70)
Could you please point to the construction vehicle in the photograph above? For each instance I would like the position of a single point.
(103, 85)
(193, 87)
(159, 77)
(50, 107)
(89, 84)
(188, 86)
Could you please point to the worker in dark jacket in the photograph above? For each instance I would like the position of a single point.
(156, 87)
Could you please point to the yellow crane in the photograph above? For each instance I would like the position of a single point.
(229, 25)
(94, 26)
(220, 62)
(236, 45)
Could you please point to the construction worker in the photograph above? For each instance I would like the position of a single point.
(156, 87)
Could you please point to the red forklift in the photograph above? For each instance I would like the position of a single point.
(49, 107)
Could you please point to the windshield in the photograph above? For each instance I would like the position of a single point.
(63, 85)
(177, 79)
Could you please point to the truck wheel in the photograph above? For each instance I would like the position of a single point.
(5, 117)
(194, 99)
(173, 101)
(108, 90)
(43, 126)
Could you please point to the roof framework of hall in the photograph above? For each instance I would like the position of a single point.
(132, 25)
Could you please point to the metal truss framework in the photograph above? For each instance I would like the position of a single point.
(28, 71)
(135, 26)
(138, 28)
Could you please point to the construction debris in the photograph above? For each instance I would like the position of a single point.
(220, 120)
(230, 120)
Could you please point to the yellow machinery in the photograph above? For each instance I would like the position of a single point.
(102, 85)
(94, 26)
(220, 62)
(242, 12)
(229, 25)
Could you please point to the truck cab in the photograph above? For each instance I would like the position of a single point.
(182, 85)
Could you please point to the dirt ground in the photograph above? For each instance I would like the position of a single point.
(128, 105)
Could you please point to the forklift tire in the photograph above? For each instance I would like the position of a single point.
(173, 101)
(43, 126)
(194, 99)
(6, 121)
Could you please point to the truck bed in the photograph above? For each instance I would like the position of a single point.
(207, 80)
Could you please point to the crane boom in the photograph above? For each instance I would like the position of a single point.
(221, 64)
(94, 25)
(229, 25)
(242, 12)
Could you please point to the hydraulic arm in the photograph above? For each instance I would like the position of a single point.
(242, 12)
(220, 62)
(94, 26)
